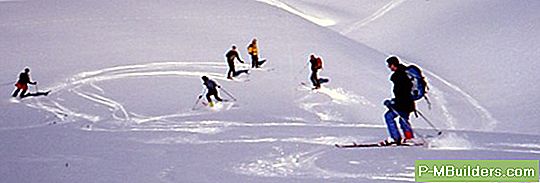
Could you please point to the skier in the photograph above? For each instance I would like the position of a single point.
(254, 52)
(316, 64)
(401, 105)
(231, 55)
(211, 90)
(22, 84)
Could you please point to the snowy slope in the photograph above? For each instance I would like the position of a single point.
(125, 76)
(130, 57)
(483, 48)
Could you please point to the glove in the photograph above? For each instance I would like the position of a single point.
(388, 103)
(241, 61)
(219, 86)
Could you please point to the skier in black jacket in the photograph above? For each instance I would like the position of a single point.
(401, 105)
(231, 55)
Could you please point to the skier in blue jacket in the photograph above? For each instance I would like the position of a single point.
(211, 87)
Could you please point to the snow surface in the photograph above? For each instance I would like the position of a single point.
(125, 76)
(484, 49)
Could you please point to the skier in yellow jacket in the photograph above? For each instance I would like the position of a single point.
(254, 52)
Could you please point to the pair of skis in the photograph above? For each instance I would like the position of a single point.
(422, 141)
(206, 103)
(378, 144)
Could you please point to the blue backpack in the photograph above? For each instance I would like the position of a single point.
(419, 84)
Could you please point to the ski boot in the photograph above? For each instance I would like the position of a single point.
(390, 141)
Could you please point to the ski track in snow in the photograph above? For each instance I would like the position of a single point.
(491, 121)
(85, 86)
(325, 22)
(337, 96)
(379, 13)
(82, 84)
(110, 103)
(304, 165)
(438, 95)
(281, 164)
(191, 139)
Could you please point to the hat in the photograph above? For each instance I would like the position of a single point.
(392, 60)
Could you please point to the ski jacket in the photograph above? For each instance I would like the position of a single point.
(24, 78)
(402, 90)
(315, 63)
(210, 85)
(253, 50)
(231, 55)
(23, 81)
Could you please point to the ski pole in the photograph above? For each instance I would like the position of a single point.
(198, 99)
(406, 122)
(304, 68)
(300, 72)
(439, 132)
(227, 93)
(196, 102)
(408, 125)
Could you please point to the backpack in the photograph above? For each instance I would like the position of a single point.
(319, 63)
(419, 84)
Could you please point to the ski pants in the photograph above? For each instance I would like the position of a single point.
(254, 61)
(390, 116)
(214, 93)
(20, 86)
(231, 70)
(314, 79)
(16, 92)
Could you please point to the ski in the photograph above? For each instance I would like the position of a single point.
(308, 86)
(324, 80)
(377, 144)
(223, 101)
(261, 62)
(242, 71)
(353, 145)
(37, 94)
